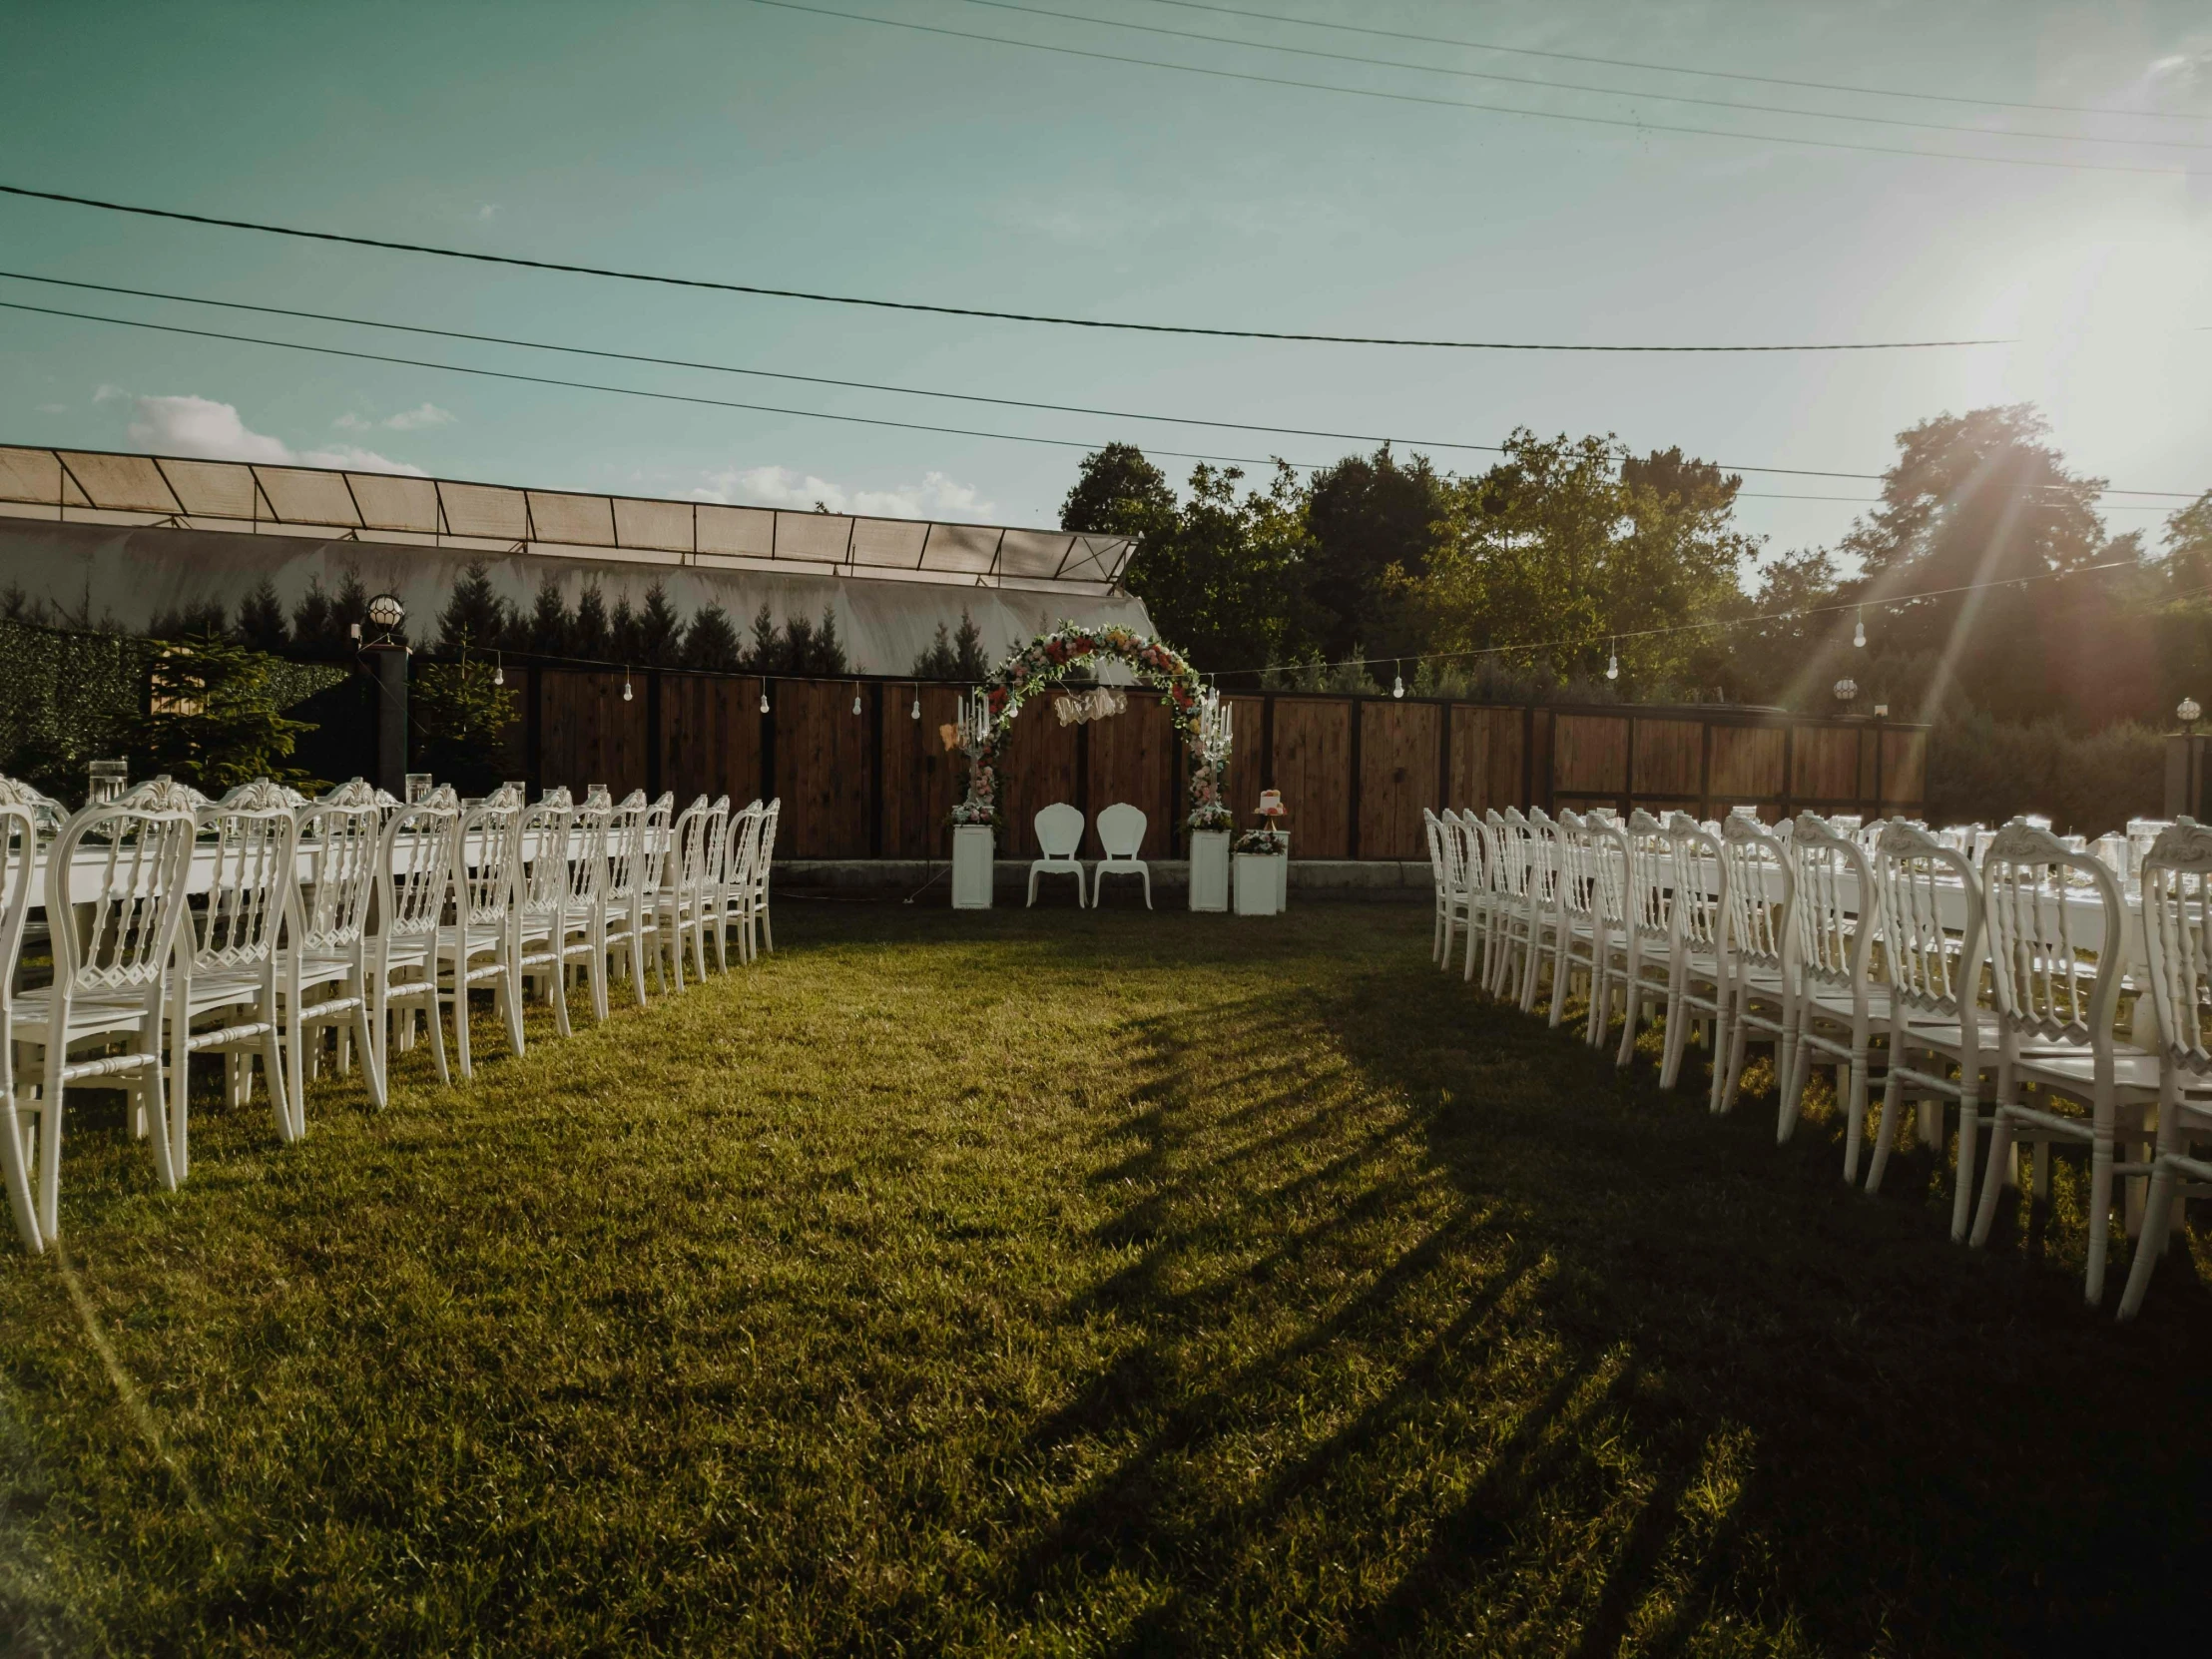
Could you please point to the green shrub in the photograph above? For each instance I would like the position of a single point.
(1983, 770)
(214, 720)
(461, 718)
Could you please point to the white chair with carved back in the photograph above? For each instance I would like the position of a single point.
(19, 844)
(415, 860)
(2176, 876)
(763, 861)
(676, 902)
(621, 897)
(1059, 834)
(477, 948)
(541, 912)
(1840, 1001)
(122, 870)
(1121, 828)
(659, 849)
(1545, 922)
(1440, 888)
(1448, 872)
(1645, 945)
(341, 837)
(2055, 976)
(1701, 986)
(706, 909)
(1479, 834)
(583, 935)
(1581, 945)
(1516, 931)
(1762, 953)
(1933, 966)
(225, 998)
(743, 850)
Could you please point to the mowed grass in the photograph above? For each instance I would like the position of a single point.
(1059, 1283)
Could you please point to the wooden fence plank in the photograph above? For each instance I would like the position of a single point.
(1747, 766)
(1667, 757)
(1826, 764)
(1589, 755)
(711, 736)
(589, 735)
(1036, 769)
(1397, 771)
(922, 779)
(1313, 768)
(1132, 759)
(821, 769)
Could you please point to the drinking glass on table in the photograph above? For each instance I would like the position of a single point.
(106, 781)
(418, 785)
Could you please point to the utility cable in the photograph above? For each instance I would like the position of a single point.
(1683, 69)
(1578, 86)
(349, 240)
(1493, 109)
(816, 379)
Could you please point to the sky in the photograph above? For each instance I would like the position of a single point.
(783, 147)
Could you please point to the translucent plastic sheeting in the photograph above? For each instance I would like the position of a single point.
(369, 505)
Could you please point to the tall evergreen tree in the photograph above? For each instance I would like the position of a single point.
(623, 639)
(475, 617)
(829, 653)
(591, 635)
(260, 624)
(764, 652)
(712, 642)
(549, 623)
(660, 629)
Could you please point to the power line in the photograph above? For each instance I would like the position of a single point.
(1578, 86)
(865, 386)
(1493, 109)
(1679, 69)
(917, 305)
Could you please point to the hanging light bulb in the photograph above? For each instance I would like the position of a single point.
(625, 684)
(498, 670)
(1397, 682)
(763, 700)
(918, 703)
(855, 701)
(1858, 634)
(1613, 663)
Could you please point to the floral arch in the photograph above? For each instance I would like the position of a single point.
(1050, 659)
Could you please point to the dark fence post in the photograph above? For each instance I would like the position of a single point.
(1352, 843)
(875, 771)
(653, 768)
(1443, 759)
(533, 730)
(767, 744)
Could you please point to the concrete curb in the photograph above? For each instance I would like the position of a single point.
(1383, 881)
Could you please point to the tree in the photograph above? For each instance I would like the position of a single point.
(1118, 492)
(1224, 580)
(660, 629)
(475, 617)
(623, 639)
(2189, 547)
(590, 636)
(1554, 553)
(712, 642)
(1372, 525)
(212, 719)
(828, 654)
(460, 718)
(549, 624)
(202, 620)
(260, 624)
(959, 655)
(764, 652)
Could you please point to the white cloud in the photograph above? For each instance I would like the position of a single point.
(406, 420)
(200, 427)
(936, 496)
(53, 409)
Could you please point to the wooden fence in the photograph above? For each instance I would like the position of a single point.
(1355, 772)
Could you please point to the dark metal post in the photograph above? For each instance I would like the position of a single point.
(390, 662)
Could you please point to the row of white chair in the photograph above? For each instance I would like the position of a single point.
(1823, 943)
(266, 927)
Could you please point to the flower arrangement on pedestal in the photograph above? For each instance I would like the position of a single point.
(987, 714)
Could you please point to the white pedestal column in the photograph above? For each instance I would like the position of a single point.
(1210, 870)
(1259, 881)
(973, 851)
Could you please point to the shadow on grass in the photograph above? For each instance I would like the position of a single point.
(1641, 1382)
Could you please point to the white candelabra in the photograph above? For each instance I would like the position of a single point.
(1215, 721)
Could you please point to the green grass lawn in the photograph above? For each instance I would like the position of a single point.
(1058, 1282)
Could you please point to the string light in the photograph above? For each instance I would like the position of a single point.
(1397, 682)
(763, 700)
(625, 684)
(1858, 634)
(855, 701)
(1613, 663)
(918, 703)
(498, 670)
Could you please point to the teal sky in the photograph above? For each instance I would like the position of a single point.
(772, 146)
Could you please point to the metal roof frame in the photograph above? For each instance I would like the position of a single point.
(266, 498)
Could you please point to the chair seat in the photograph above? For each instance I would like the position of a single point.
(91, 1014)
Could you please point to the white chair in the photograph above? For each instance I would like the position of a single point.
(764, 860)
(477, 948)
(1121, 829)
(583, 933)
(1578, 934)
(1448, 870)
(1516, 941)
(1933, 971)
(1702, 982)
(707, 907)
(2176, 875)
(1438, 947)
(2055, 980)
(621, 897)
(1838, 1001)
(542, 900)
(414, 873)
(111, 975)
(1543, 902)
(740, 853)
(326, 947)
(1646, 942)
(1500, 892)
(1473, 906)
(226, 970)
(1761, 950)
(1059, 834)
(19, 838)
(675, 901)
